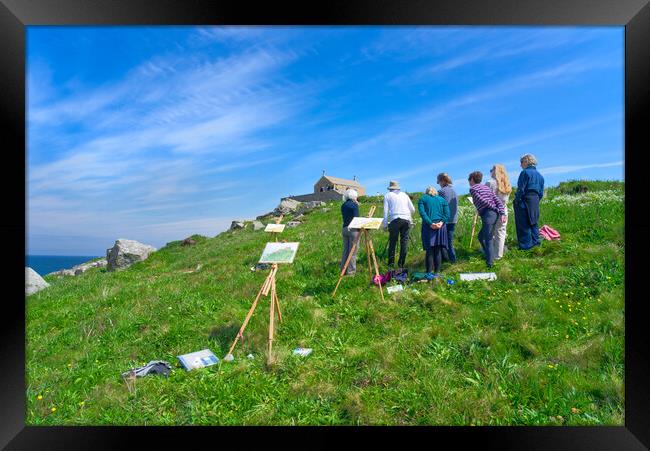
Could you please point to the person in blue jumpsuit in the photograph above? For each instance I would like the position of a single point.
(530, 190)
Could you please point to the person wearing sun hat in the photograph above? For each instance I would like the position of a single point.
(399, 208)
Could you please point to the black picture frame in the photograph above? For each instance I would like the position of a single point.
(15, 15)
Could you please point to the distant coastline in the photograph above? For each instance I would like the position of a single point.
(45, 264)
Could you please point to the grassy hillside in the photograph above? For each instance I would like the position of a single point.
(543, 344)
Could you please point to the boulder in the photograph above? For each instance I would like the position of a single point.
(286, 206)
(293, 223)
(126, 252)
(257, 225)
(33, 281)
(237, 225)
(188, 242)
(325, 210)
(81, 268)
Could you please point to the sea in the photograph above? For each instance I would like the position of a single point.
(45, 264)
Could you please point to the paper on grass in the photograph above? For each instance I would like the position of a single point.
(199, 359)
(394, 288)
(478, 276)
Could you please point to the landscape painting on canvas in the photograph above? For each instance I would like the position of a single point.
(276, 228)
(366, 223)
(279, 253)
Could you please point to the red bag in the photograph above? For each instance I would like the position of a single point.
(548, 233)
(383, 278)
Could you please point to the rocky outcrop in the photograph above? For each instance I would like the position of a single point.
(237, 225)
(81, 268)
(293, 223)
(33, 281)
(126, 252)
(188, 242)
(257, 225)
(286, 206)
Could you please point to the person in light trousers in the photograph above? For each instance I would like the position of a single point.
(349, 210)
(500, 185)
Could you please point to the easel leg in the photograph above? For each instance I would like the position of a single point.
(274, 298)
(250, 312)
(269, 359)
(374, 258)
(347, 262)
(473, 230)
(365, 235)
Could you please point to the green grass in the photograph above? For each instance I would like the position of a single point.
(542, 345)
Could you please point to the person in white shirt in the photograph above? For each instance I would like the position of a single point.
(399, 208)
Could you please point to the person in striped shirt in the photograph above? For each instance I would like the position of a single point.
(491, 210)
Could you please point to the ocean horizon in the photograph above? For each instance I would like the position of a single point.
(45, 264)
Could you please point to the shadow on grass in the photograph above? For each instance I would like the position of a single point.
(225, 335)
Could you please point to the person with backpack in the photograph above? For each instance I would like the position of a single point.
(449, 194)
(530, 190)
(490, 209)
(434, 211)
(399, 208)
(500, 185)
(349, 210)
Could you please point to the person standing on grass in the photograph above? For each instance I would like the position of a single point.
(490, 209)
(399, 208)
(449, 194)
(434, 211)
(500, 185)
(349, 210)
(530, 190)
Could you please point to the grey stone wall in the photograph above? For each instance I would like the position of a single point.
(322, 196)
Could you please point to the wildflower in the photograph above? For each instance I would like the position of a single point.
(82, 403)
(39, 397)
(574, 410)
(566, 336)
(53, 409)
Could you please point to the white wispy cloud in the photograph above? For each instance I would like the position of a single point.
(577, 167)
(161, 140)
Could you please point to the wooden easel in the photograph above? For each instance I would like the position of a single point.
(370, 254)
(277, 221)
(473, 230)
(267, 286)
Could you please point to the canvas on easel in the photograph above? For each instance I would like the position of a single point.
(364, 224)
(274, 253)
(275, 228)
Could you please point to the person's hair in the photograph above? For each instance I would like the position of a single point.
(476, 177)
(529, 159)
(350, 194)
(431, 190)
(501, 176)
(444, 179)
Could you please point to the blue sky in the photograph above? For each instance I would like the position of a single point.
(157, 133)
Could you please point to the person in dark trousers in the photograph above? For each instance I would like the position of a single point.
(530, 190)
(434, 211)
(349, 210)
(449, 194)
(399, 208)
(491, 210)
